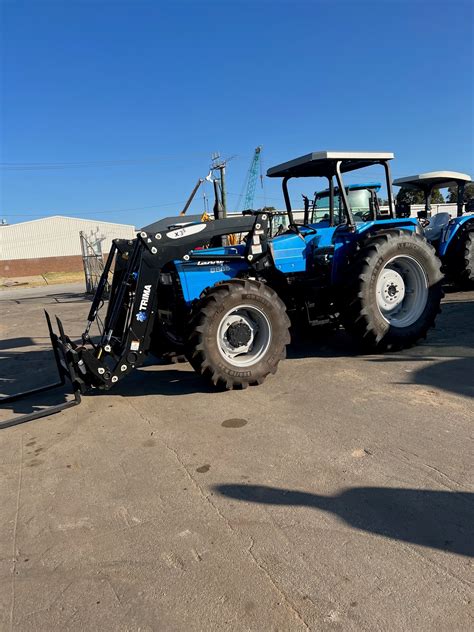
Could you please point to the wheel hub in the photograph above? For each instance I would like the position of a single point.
(390, 289)
(239, 334)
(244, 335)
(402, 291)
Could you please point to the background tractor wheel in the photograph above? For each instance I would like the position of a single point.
(394, 293)
(464, 275)
(238, 334)
(168, 349)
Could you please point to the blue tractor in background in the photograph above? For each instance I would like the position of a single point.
(362, 199)
(230, 308)
(452, 237)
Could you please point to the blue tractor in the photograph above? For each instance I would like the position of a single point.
(362, 198)
(230, 308)
(452, 237)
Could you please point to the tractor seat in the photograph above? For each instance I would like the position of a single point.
(437, 223)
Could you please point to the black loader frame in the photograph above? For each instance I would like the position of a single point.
(134, 298)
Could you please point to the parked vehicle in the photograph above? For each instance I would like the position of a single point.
(452, 237)
(229, 308)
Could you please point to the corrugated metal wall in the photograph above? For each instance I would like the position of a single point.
(58, 237)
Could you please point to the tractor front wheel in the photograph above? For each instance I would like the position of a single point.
(238, 334)
(394, 292)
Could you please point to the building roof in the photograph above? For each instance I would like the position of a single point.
(322, 163)
(439, 179)
(58, 236)
(66, 217)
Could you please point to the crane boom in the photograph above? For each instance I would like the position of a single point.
(252, 179)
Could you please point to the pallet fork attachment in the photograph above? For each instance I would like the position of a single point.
(65, 372)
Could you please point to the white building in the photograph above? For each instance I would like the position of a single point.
(52, 244)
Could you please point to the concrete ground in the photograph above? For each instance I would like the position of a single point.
(37, 280)
(337, 496)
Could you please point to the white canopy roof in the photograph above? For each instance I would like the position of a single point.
(320, 162)
(439, 179)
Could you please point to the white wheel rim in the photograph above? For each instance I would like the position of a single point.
(402, 291)
(244, 335)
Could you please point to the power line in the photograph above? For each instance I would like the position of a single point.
(123, 210)
(45, 166)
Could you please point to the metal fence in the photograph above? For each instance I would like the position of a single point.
(93, 263)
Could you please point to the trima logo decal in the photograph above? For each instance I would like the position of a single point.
(140, 316)
(145, 297)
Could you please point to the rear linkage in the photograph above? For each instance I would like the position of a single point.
(133, 301)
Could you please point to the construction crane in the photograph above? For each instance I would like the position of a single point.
(251, 181)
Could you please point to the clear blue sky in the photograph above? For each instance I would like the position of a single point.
(167, 83)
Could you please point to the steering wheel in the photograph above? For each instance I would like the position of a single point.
(364, 216)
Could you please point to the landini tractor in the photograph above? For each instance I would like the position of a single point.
(229, 308)
(453, 238)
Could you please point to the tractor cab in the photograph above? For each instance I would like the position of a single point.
(337, 218)
(436, 226)
(340, 204)
(362, 198)
(427, 182)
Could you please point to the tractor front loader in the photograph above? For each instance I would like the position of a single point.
(130, 327)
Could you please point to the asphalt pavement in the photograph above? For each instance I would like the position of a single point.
(339, 495)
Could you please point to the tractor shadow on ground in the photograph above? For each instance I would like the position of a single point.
(49, 299)
(454, 331)
(162, 380)
(450, 356)
(441, 520)
(16, 343)
(456, 376)
(24, 370)
(321, 342)
(448, 353)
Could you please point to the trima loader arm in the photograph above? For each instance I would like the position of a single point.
(133, 301)
(134, 297)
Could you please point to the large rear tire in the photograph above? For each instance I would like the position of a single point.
(464, 267)
(238, 334)
(394, 292)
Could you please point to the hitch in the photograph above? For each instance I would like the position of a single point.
(64, 356)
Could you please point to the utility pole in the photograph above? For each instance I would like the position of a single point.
(220, 207)
(223, 190)
(220, 165)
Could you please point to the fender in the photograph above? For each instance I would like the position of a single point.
(454, 232)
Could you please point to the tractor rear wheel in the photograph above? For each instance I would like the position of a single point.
(167, 348)
(394, 292)
(464, 276)
(238, 334)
